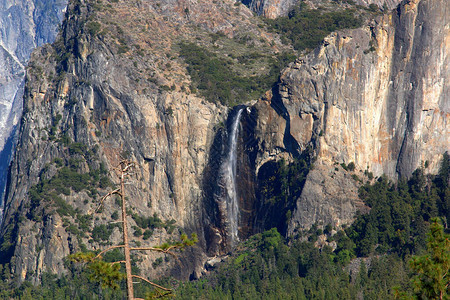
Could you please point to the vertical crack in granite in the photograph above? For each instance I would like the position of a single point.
(375, 96)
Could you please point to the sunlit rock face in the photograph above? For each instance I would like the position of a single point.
(376, 96)
(84, 89)
(24, 25)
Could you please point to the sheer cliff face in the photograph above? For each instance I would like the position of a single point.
(271, 8)
(24, 25)
(112, 90)
(107, 89)
(376, 96)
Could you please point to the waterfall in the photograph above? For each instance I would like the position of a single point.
(229, 176)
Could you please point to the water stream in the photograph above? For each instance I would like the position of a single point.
(229, 175)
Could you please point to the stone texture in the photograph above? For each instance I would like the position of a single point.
(24, 25)
(272, 8)
(106, 102)
(280, 8)
(328, 197)
(376, 96)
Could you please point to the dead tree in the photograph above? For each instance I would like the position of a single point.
(125, 169)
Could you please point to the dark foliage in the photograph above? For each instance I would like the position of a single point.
(280, 183)
(269, 269)
(214, 77)
(400, 213)
(305, 28)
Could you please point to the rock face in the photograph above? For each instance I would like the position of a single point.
(105, 90)
(376, 96)
(24, 25)
(280, 8)
(271, 8)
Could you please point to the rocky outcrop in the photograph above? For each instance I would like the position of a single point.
(272, 8)
(24, 25)
(280, 8)
(389, 4)
(376, 96)
(103, 91)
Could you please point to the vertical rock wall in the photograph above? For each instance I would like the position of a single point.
(376, 96)
(24, 25)
(80, 92)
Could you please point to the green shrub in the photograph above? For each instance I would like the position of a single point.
(84, 222)
(123, 49)
(70, 178)
(151, 222)
(306, 28)
(373, 7)
(137, 231)
(104, 182)
(355, 177)
(72, 229)
(157, 262)
(351, 166)
(101, 232)
(147, 234)
(328, 229)
(93, 28)
(214, 77)
(170, 226)
(63, 208)
(115, 215)
(58, 162)
(77, 148)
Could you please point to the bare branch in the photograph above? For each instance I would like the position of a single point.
(116, 191)
(123, 169)
(154, 284)
(155, 249)
(115, 222)
(107, 249)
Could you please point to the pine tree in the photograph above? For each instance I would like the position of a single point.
(432, 280)
(109, 274)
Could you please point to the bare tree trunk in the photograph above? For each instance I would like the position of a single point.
(130, 291)
(124, 168)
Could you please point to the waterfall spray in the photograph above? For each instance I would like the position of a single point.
(229, 174)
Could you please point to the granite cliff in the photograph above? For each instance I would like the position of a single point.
(107, 90)
(275, 8)
(375, 98)
(24, 25)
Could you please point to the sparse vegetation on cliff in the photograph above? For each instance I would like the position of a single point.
(216, 80)
(305, 27)
(124, 76)
(108, 274)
